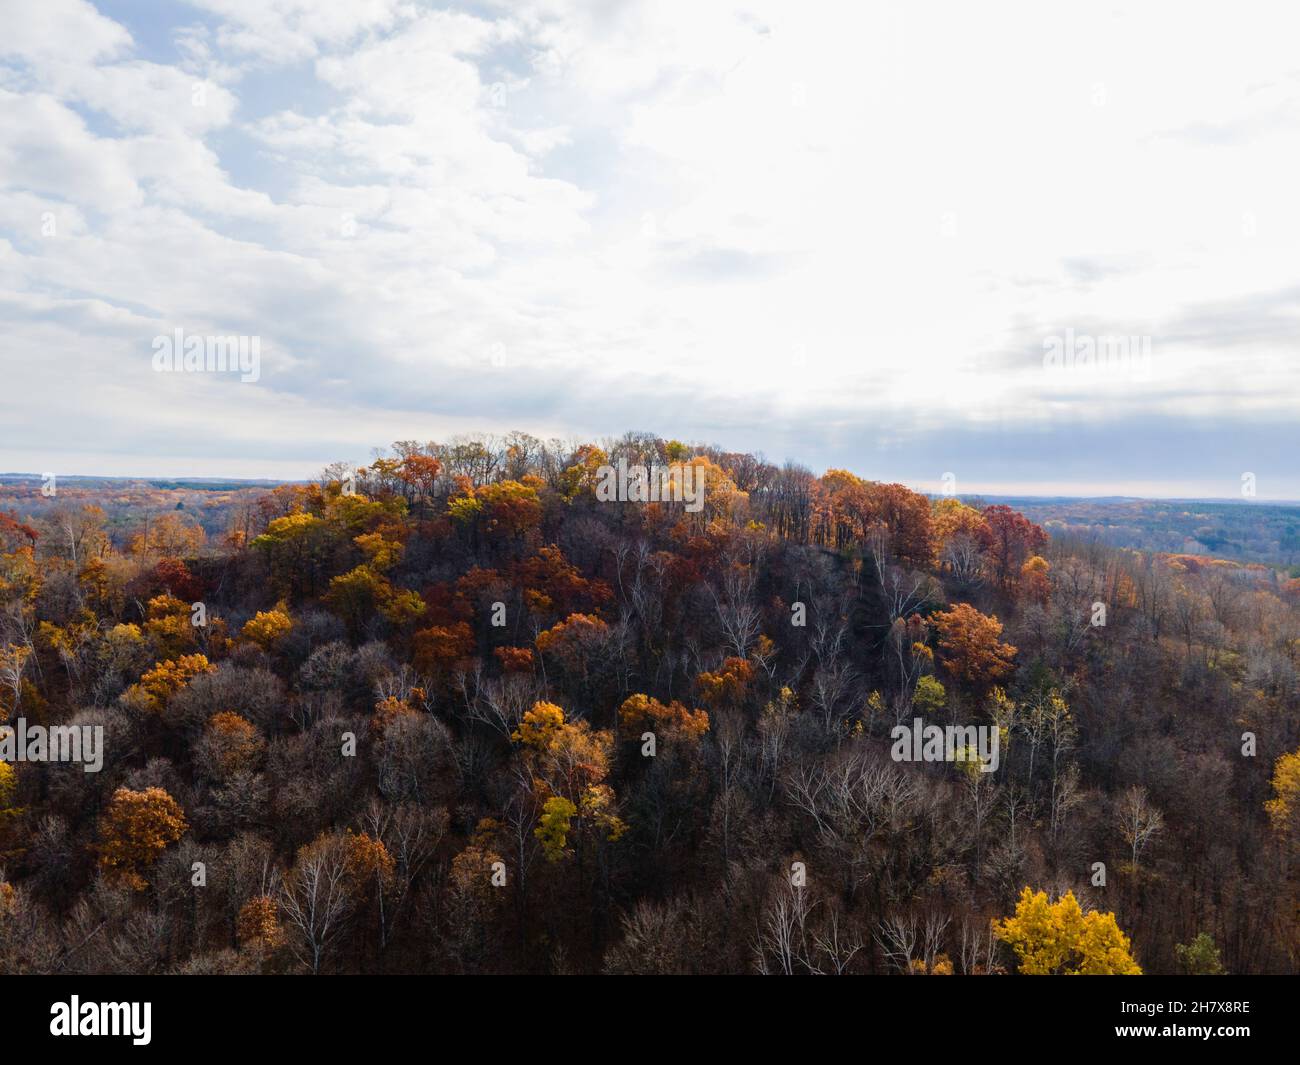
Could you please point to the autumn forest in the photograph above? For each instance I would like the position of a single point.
(456, 711)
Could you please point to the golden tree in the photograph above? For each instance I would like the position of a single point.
(1058, 938)
(135, 828)
(672, 719)
(1283, 808)
(569, 761)
(8, 787)
(267, 627)
(258, 924)
(969, 646)
(167, 678)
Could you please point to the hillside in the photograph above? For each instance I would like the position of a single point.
(461, 711)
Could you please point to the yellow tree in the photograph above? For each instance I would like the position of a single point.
(169, 625)
(291, 545)
(357, 594)
(169, 536)
(165, 679)
(1284, 814)
(267, 627)
(1058, 938)
(569, 762)
(8, 787)
(1284, 807)
(729, 685)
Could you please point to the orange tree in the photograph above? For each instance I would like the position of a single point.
(970, 648)
(135, 828)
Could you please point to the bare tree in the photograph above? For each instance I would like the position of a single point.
(315, 899)
(910, 944)
(411, 834)
(783, 944)
(978, 947)
(851, 800)
(897, 937)
(1139, 821)
(738, 614)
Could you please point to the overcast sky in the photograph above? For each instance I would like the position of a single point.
(843, 234)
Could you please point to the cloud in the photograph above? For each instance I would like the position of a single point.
(846, 231)
(59, 31)
(284, 31)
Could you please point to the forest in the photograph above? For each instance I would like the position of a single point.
(456, 711)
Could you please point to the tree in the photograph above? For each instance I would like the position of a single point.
(135, 829)
(959, 532)
(267, 627)
(420, 474)
(1284, 808)
(1200, 957)
(728, 685)
(15, 533)
(173, 575)
(8, 787)
(317, 898)
(929, 696)
(471, 899)
(169, 536)
(554, 586)
(258, 924)
(906, 516)
(359, 593)
(553, 826)
(672, 719)
(159, 684)
(1034, 585)
(1008, 540)
(574, 644)
(969, 646)
(291, 544)
(168, 625)
(13, 663)
(1138, 820)
(568, 761)
(442, 648)
(1058, 938)
(231, 744)
(501, 512)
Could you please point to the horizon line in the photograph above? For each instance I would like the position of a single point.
(1116, 496)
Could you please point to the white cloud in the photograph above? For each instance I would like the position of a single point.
(59, 31)
(825, 222)
(289, 30)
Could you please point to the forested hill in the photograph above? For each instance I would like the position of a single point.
(482, 707)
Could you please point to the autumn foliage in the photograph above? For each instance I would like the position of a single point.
(453, 712)
(1058, 938)
(970, 647)
(135, 828)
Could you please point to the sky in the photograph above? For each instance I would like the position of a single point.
(878, 236)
